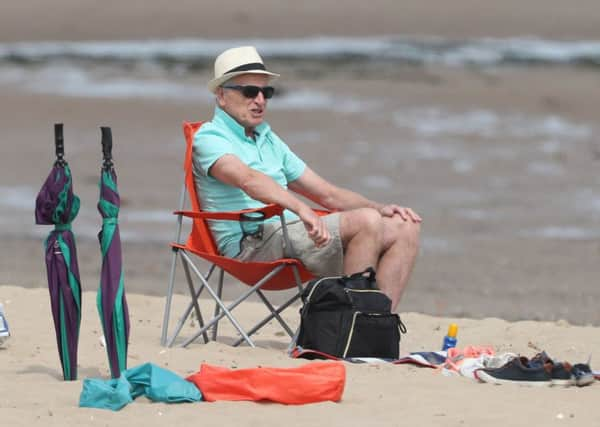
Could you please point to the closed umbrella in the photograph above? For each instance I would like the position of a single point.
(112, 305)
(57, 205)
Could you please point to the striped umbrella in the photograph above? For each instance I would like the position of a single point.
(112, 305)
(57, 205)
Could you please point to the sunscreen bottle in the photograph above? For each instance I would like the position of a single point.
(450, 338)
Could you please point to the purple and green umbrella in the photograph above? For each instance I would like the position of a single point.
(57, 205)
(112, 305)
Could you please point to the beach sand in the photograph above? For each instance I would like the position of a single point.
(488, 276)
(33, 392)
(91, 20)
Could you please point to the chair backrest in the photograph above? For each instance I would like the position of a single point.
(200, 237)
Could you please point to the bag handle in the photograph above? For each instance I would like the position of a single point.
(369, 270)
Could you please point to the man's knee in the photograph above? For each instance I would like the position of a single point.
(406, 231)
(364, 220)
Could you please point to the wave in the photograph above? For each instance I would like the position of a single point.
(199, 53)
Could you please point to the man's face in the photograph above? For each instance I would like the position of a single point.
(248, 112)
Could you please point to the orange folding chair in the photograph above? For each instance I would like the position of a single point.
(281, 274)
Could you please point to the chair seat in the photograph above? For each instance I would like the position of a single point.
(251, 272)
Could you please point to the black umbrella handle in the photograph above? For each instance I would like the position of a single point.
(59, 145)
(107, 147)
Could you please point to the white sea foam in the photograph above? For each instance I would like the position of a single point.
(304, 99)
(148, 216)
(19, 198)
(436, 244)
(72, 81)
(434, 122)
(423, 50)
(477, 214)
(68, 80)
(586, 200)
(562, 233)
(545, 169)
(379, 182)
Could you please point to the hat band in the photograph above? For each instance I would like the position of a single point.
(247, 67)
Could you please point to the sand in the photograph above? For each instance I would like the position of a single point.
(518, 294)
(33, 392)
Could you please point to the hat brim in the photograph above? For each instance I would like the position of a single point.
(215, 83)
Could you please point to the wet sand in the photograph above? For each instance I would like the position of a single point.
(91, 20)
(480, 250)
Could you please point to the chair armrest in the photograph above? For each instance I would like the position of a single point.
(266, 211)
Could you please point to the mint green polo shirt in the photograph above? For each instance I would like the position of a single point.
(266, 153)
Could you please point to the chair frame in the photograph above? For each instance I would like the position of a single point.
(193, 273)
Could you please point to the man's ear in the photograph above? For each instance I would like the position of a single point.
(220, 96)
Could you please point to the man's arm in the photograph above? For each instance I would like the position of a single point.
(230, 170)
(319, 190)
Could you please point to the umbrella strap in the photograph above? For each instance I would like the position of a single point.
(110, 221)
(62, 227)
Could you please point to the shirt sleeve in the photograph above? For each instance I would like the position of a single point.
(293, 166)
(209, 146)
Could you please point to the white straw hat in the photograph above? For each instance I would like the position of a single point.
(236, 61)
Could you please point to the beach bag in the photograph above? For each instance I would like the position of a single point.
(348, 316)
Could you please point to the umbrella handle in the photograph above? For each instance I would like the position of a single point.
(107, 147)
(59, 144)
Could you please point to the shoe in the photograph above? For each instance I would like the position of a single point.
(582, 374)
(470, 365)
(560, 373)
(517, 371)
(565, 374)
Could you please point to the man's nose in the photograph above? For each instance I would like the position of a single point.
(260, 98)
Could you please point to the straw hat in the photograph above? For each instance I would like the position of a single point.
(236, 61)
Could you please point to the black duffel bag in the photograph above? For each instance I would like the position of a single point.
(348, 316)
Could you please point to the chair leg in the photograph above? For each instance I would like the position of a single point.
(217, 308)
(167, 314)
(273, 314)
(226, 311)
(189, 308)
(179, 224)
(188, 276)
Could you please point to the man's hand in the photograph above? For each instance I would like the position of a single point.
(316, 228)
(407, 214)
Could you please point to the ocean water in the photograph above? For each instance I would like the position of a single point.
(197, 53)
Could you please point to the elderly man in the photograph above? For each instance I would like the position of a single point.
(240, 163)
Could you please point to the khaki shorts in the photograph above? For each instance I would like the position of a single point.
(267, 245)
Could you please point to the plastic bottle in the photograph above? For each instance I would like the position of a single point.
(450, 338)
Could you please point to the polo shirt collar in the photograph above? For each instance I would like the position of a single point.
(239, 131)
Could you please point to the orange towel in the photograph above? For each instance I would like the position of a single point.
(456, 356)
(309, 383)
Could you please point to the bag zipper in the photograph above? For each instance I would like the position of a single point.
(317, 284)
(356, 313)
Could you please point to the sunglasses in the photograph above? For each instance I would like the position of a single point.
(252, 91)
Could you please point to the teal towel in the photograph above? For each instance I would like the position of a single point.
(156, 383)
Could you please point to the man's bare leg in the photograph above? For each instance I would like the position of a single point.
(361, 231)
(389, 244)
(400, 249)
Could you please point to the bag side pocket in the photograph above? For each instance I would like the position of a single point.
(374, 335)
(325, 331)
